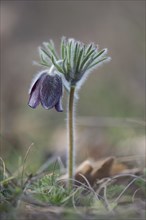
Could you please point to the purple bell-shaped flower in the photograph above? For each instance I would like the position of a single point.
(47, 90)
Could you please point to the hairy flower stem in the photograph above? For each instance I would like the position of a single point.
(71, 133)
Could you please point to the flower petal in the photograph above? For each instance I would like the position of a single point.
(58, 106)
(34, 91)
(36, 79)
(35, 96)
(50, 91)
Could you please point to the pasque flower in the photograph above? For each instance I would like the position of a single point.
(68, 70)
(47, 90)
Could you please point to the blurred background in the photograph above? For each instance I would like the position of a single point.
(110, 111)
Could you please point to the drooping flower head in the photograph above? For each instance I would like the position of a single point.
(47, 90)
(70, 69)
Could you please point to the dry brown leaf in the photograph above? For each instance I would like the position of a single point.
(85, 170)
(101, 169)
(90, 172)
(117, 168)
